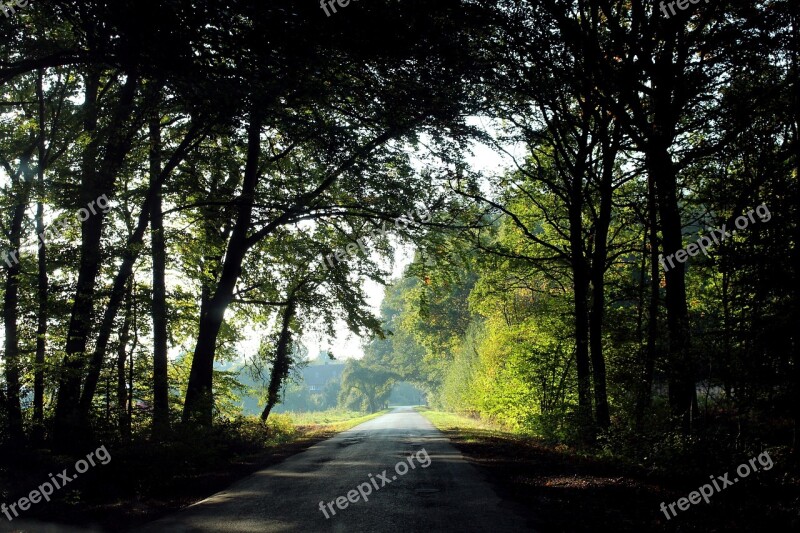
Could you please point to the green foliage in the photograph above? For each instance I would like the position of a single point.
(362, 120)
(459, 392)
(365, 387)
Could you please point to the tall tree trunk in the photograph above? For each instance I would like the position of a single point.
(666, 74)
(580, 277)
(42, 281)
(596, 316)
(123, 419)
(96, 182)
(280, 367)
(373, 404)
(199, 403)
(11, 302)
(69, 380)
(648, 366)
(129, 256)
(682, 392)
(159, 311)
(727, 328)
(597, 274)
(132, 363)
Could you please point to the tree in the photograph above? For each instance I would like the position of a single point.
(372, 385)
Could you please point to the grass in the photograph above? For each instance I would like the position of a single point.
(468, 429)
(445, 421)
(337, 419)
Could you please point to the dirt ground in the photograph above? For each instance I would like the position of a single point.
(564, 492)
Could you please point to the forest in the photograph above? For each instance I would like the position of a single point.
(190, 186)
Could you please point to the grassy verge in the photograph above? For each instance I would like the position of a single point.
(146, 480)
(562, 489)
(334, 421)
(326, 424)
(466, 426)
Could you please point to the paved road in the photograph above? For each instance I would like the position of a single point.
(447, 495)
(441, 493)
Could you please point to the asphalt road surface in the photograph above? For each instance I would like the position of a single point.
(399, 472)
(446, 495)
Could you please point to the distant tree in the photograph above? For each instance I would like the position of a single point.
(370, 384)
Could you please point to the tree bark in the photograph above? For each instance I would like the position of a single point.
(580, 277)
(42, 281)
(123, 418)
(646, 385)
(597, 274)
(280, 367)
(199, 403)
(159, 311)
(682, 392)
(129, 257)
(95, 183)
(69, 381)
(11, 301)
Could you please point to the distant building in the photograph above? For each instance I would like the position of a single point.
(321, 371)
